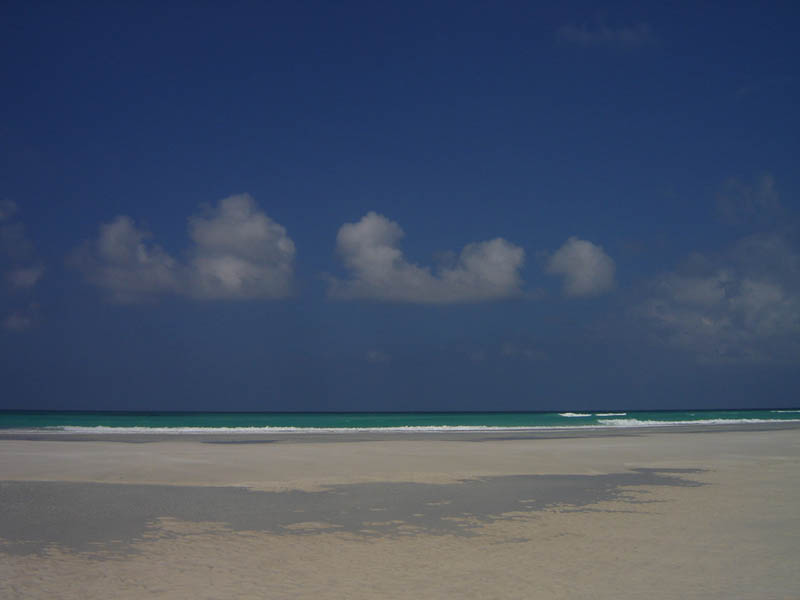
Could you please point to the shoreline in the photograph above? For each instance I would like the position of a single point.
(475, 435)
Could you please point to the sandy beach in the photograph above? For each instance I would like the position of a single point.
(664, 513)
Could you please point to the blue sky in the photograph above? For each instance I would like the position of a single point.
(399, 206)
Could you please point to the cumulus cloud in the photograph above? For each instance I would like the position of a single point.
(743, 306)
(370, 250)
(586, 269)
(637, 35)
(238, 252)
(19, 268)
(124, 262)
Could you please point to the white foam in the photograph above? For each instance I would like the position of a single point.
(650, 423)
(602, 424)
(610, 414)
(571, 414)
(270, 430)
(785, 411)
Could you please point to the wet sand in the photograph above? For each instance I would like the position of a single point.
(671, 514)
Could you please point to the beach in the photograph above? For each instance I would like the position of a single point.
(694, 512)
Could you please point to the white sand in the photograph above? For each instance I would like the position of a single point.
(736, 537)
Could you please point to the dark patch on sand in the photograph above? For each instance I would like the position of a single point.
(88, 517)
(97, 516)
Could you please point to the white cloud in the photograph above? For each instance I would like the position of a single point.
(18, 267)
(742, 307)
(587, 270)
(238, 252)
(378, 270)
(125, 263)
(602, 35)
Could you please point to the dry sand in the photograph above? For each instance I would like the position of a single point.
(663, 514)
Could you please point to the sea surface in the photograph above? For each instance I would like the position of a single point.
(266, 422)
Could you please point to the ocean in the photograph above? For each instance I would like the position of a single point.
(269, 422)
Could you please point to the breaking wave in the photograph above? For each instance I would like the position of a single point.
(600, 424)
(652, 423)
(240, 430)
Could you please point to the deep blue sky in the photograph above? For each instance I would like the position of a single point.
(176, 181)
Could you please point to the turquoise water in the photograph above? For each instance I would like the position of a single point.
(205, 422)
